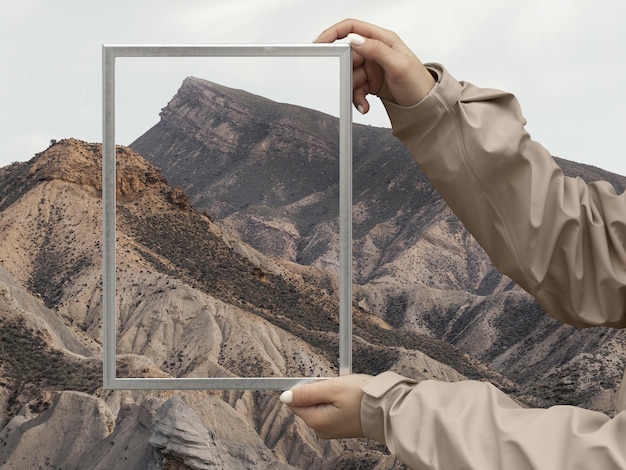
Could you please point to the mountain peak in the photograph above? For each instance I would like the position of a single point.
(211, 89)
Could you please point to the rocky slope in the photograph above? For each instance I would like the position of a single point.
(193, 300)
(268, 172)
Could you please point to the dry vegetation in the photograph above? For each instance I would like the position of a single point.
(29, 363)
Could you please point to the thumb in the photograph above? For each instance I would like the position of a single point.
(306, 395)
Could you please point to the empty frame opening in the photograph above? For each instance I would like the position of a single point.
(212, 336)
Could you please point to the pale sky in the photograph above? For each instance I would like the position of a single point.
(564, 59)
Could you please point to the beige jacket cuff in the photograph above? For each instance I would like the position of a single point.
(444, 93)
(372, 414)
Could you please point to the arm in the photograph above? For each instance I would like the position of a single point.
(560, 239)
(472, 425)
(434, 425)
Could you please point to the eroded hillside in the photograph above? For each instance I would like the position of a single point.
(192, 301)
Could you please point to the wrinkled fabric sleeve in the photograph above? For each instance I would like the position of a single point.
(559, 238)
(472, 425)
(562, 240)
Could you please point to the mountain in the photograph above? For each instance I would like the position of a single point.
(226, 266)
(193, 300)
(268, 172)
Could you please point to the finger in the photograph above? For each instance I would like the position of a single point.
(359, 77)
(359, 98)
(347, 26)
(366, 79)
(316, 393)
(360, 85)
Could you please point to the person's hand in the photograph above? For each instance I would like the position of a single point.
(332, 408)
(383, 64)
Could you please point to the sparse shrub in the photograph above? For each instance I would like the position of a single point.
(27, 359)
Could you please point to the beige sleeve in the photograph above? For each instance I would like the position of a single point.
(472, 425)
(562, 240)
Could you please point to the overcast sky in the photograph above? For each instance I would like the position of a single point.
(564, 59)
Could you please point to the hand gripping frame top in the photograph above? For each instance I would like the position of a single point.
(109, 55)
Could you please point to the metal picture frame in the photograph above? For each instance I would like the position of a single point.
(109, 55)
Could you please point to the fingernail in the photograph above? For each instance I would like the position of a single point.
(355, 39)
(360, 109)
(316, 38)
(286, 397)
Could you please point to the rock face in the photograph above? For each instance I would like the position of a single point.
(193, 301)
(28, 438)
(177, 431)
(268, 172)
